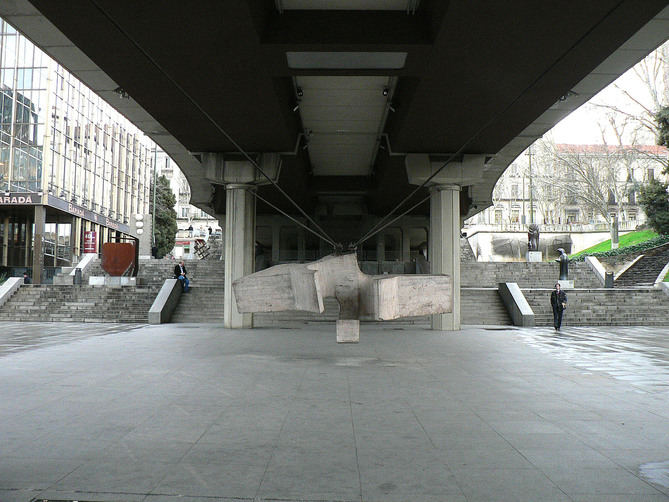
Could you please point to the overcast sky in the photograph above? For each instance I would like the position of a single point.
(582, 126)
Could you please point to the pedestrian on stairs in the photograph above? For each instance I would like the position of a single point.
(180, 273)
(559, 303)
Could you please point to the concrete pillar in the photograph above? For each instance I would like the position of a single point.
(28, 239)
(276, 242)
(444, 247)
(406, 245)
(38, 251)
(301, 245)
(5, 241)
(73, 239)
(239, 249)
(76, 222)
(380, 249)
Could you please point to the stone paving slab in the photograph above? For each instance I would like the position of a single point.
(195, 412)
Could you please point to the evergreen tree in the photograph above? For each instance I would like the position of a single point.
(166, 216)
(655, 202)
(662, 118)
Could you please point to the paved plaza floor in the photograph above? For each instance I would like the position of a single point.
(185, 413)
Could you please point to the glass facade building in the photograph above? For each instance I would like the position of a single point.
(66, 157)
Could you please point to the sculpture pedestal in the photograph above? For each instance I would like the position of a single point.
(566, 284)
(533, 256)
(348, 331)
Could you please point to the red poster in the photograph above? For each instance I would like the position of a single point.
(90, 241)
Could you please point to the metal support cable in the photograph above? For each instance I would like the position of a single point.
(220, 129)
(373, 231)
(294, 220)
(369, 236)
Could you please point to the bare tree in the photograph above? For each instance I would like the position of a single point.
(596, 178)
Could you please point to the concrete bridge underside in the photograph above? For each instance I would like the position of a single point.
(347, 104)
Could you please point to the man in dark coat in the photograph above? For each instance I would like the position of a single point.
(559, 303)
(180, 273)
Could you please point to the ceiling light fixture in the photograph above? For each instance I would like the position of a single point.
(299, 92)
(122, 93)
(385, 91)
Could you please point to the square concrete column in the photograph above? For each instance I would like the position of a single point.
(239, 249)
(301, 245)
(406, 245)
(38, 247)
(380, 249)
(276, 243)
(444, 247)
(5, 242)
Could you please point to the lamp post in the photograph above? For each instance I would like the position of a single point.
(155, 176)
(529, 156)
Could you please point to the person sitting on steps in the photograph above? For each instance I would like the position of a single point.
(180, 273)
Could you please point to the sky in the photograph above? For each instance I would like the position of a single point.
(582, 125)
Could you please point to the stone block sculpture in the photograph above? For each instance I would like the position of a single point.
(379, 297)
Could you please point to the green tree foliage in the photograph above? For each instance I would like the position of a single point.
(166, 216)
(655, 202)
(662, 118)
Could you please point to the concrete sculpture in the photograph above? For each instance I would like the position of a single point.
(533, 237)
(379, 297)
(563, 260)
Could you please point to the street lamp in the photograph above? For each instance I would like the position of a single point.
(155, 175)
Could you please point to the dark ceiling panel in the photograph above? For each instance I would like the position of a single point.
(477, 72)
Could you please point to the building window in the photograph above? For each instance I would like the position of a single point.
(515, 216)
(184, 212)
(498, 216)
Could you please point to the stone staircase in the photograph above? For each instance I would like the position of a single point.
(526, 275)
(645, 271)
(603, 307)
(482, 306)
(204, 301)
(79, 304)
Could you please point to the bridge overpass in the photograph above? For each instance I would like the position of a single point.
(347, 106)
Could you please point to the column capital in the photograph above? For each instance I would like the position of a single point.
(466, 171)
(439, 188)
(223, 168)
(240, 186)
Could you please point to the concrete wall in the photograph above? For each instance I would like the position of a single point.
(511, 246)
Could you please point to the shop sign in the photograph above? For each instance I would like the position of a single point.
(20, 198)
(70, 208)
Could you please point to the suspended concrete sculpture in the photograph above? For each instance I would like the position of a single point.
(379, 297)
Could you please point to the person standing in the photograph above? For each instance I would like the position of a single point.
(559, 303)
(180, 273)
